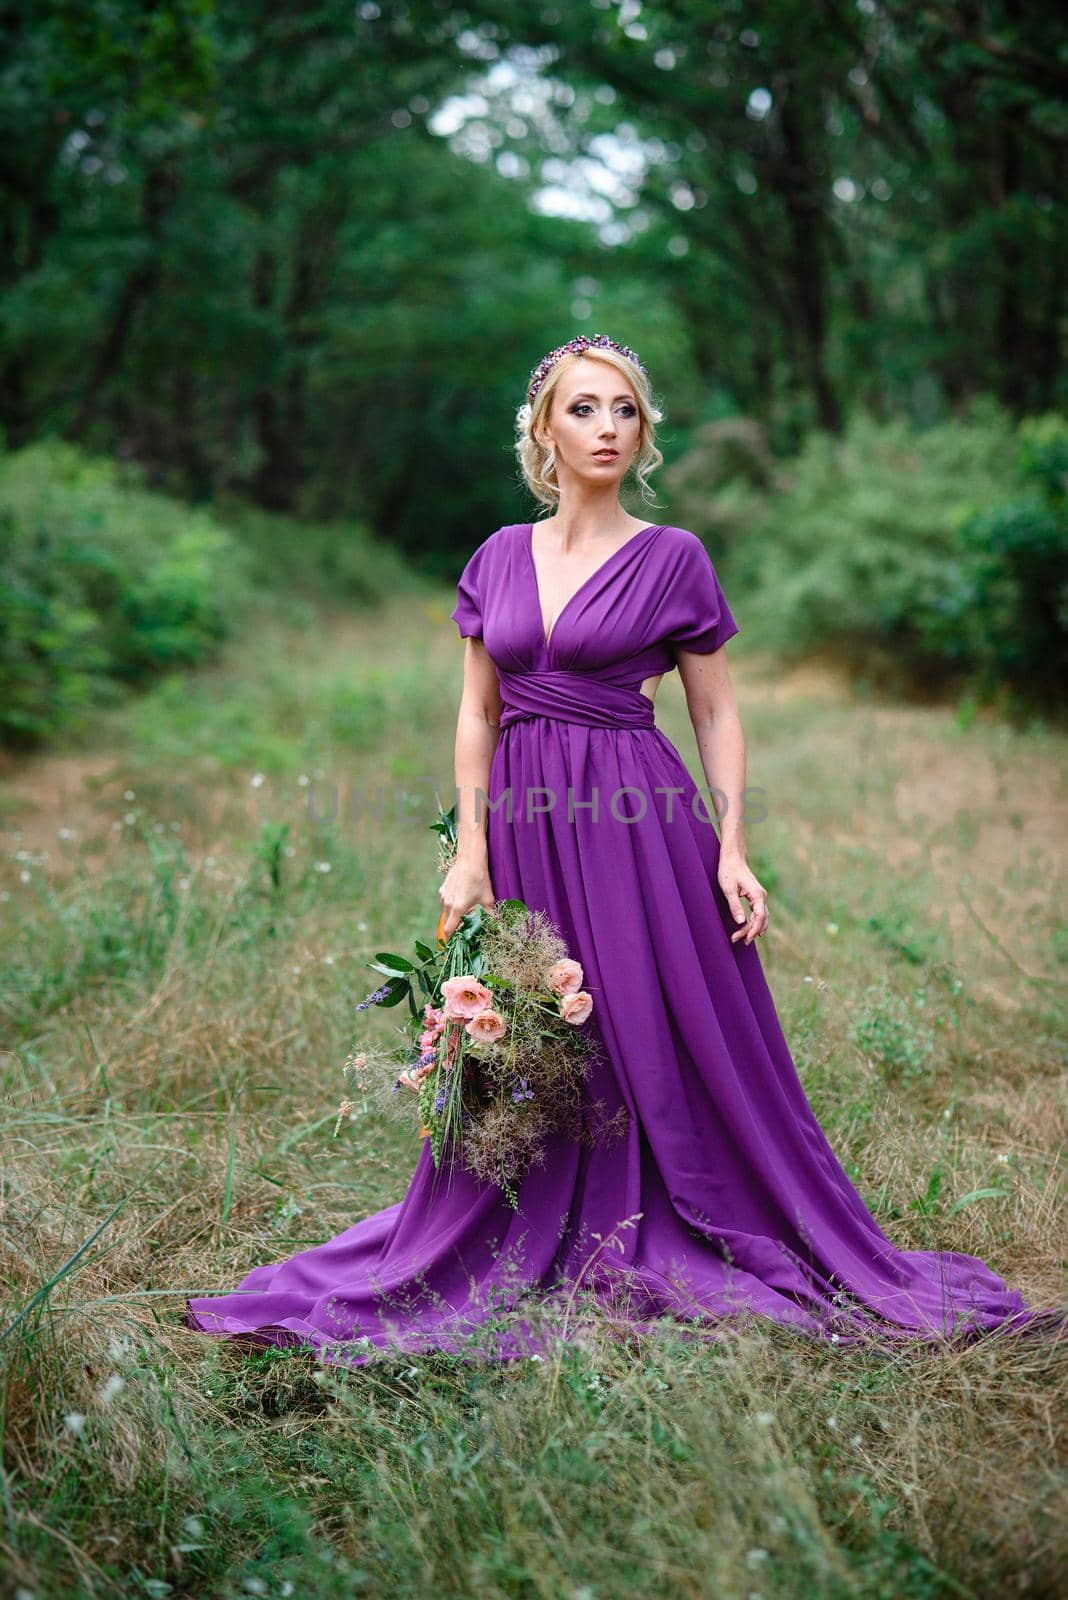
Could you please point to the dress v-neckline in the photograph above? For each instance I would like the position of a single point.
(547, 639)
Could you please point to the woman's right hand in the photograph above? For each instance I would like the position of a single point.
(466, 884)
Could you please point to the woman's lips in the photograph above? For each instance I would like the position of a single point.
(605, 455)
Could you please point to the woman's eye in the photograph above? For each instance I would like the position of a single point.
(584, 405)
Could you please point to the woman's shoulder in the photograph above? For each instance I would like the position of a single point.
(683, 548)
(502, 535)
(681, 539)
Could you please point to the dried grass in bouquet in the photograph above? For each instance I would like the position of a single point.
(496, 1052)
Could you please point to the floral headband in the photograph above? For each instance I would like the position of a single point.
(597, 341)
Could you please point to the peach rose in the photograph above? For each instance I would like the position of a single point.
(427, 1040)
(575, 1008)
(564, 977)
(464, 996)
(487, 1026)
(412, 1080)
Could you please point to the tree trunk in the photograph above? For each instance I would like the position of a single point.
(156, 195)
(798, 185)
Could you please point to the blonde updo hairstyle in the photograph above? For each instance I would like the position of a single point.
(538, 461)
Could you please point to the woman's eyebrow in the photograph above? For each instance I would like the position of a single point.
(585, 395)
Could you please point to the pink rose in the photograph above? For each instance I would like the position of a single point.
(434, 1017)
(564, 977)
(487, 1026)
(575, 1008)
(464, 996)
(427, 1040)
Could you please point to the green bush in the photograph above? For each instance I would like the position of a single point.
(1005, 611)
(916, 556)
(334, 564)
(102, 586)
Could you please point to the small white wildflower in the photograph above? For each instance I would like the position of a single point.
(256, 780)
(535, 1358)
(296, 971)
(362, 927)
(328, 961)
(832, 927)
(24, 876)
(834, 1338)
(832, 1421)
(64, 833)
(113, 1387)
(74, 1422)
(24, 1594)
(807, 978)
(1003, 1158)
(322, 866)
(183, 884)
(304, 780)
(119, 1346)
(764, 1419)
(947, 1113)
(254, 1586)
(130, 818)
(753, 1558)
(287, 1589)
(127, 794)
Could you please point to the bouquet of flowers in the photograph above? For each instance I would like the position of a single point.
(494, 1050)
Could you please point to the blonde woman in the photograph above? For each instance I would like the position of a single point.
(723, 1198)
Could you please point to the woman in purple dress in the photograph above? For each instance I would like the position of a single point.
(723, 1198)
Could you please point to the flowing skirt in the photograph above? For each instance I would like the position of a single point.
(722, 1200)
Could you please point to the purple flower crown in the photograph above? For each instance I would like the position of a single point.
(575, 347)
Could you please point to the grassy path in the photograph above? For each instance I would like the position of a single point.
(188, 931)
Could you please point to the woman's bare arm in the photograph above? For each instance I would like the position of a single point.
(467, 883)
(717, 724)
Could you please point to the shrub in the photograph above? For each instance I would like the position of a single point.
(1005, 611)
(923, 559)
(103, 584)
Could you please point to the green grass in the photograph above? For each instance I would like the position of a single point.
(176, 1008)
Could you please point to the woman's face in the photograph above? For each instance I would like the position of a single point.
(594, 422)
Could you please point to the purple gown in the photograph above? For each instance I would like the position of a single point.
(723, 1198)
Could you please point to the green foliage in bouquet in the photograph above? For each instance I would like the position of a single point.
(494, 1049)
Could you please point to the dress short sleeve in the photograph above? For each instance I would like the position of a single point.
(700, 618)
(467, 612)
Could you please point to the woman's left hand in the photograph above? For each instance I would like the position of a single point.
(738, 881)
